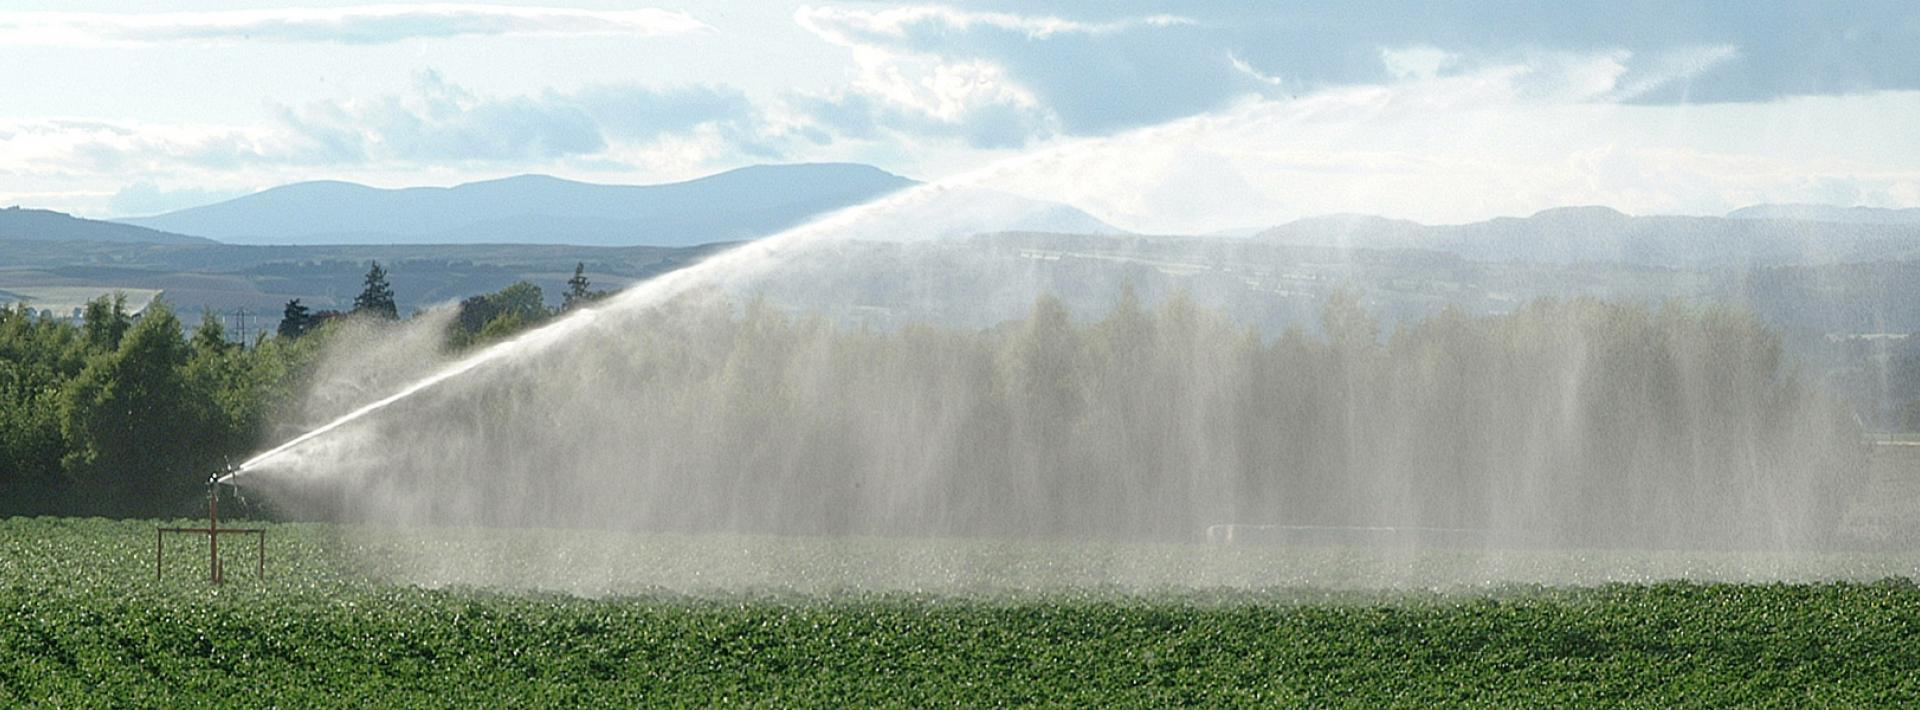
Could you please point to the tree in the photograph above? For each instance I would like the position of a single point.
(475, 313)
(501, 327)
(377, 298)
(106, 321)
(134, 423)
(577, 289)
(1347, 323)
(37, 357)
(523, 299)
(499, 314)
(296, 320)
(211, 336)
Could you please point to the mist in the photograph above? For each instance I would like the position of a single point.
(881, 375)
(717, 418)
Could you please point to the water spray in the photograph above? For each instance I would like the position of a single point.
(744, 260)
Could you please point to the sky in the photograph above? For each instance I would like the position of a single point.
(1162, 117)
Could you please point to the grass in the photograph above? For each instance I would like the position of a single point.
(83, 622)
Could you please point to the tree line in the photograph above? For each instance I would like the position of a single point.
(120, 415)
(126, 415)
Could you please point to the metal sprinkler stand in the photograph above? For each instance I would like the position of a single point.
(213, 531)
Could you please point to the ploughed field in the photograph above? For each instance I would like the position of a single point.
(383, 617)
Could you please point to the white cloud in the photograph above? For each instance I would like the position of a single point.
(438, 122)
(369, 24)
(998, 80)
(923, 92)
(1247, 68)
(439, 128)
(441, 121)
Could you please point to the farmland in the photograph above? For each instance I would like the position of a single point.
(82, 621)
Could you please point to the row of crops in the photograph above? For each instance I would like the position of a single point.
(83, 622)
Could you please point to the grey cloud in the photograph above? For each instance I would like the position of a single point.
(1783, 49)
(1087, 77)
(1100, 83)
(443, 122)
(1095, 68)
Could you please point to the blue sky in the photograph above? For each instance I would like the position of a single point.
(1185, 116)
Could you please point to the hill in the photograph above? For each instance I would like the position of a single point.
(1568, 235)
(1829, 213)
(22, 225)
(535, 209)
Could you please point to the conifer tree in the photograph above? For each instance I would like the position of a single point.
(377, 298)
(211, 336)
(296, 320)
(578, 291)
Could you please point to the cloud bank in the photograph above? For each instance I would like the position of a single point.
(1440, 113)
(1002, 80)
(999, 79)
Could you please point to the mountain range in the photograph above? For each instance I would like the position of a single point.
(1829, 213)
(1568, 235)
(1819, 270)
(535, 209)
(755, 201)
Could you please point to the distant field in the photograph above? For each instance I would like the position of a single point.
(262, 279)
(83, 622)
(65, 301)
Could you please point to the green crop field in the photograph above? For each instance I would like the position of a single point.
(83, 622)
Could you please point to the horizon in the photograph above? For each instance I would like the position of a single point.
(478, 181)
(1269, 114)
(1245, 230)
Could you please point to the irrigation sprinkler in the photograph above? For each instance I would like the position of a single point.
(213, 531)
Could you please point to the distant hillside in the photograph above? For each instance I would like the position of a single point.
(17, 225)
(533, 209)
(1603, 235)
(1829, 213)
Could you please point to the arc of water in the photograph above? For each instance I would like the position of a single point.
(742, 260)
(745, 260)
